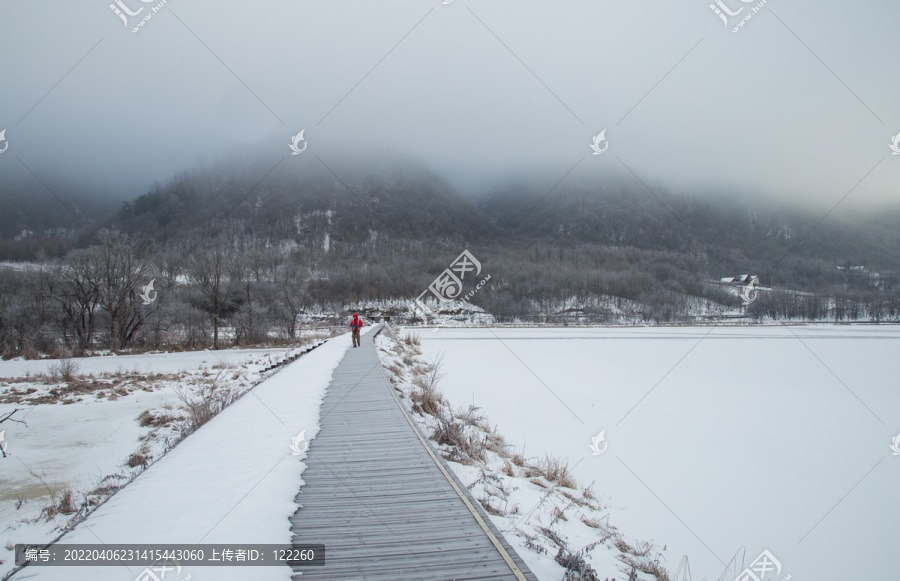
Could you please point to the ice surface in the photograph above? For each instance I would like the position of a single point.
(718, 437)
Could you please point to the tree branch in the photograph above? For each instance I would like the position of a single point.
(10, 418)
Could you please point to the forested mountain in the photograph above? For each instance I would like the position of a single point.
(405, 207)
(252, 247)
(349, 206)
(403, 202)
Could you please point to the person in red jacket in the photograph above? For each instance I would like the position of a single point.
(355, 325)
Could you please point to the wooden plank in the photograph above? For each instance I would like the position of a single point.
(376, 498)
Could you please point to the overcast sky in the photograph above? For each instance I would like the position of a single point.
(800, 103)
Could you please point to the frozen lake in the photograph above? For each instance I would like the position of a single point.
(769, 438)
(145, 362)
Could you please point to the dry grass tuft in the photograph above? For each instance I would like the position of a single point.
(574, 499)
(107, 486)
(558, 514)
(211, 399)
(155, 419)
(646, 565)
(496, 443)
(593, 523)
(642, 549)
(428, 401)
(454, 455)
(623, 546)
(555, 470)
(137, 459)
(451, 432)
(63, 503)
(489, 508)
(532, 471)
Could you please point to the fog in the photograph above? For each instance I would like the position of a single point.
(799, 104)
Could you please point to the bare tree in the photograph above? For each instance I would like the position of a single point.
(211, 270)
(75, 285)
(121, 267)
(292, 286)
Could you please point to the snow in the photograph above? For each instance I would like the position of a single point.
(81, 440)
(148, 362)
(770, 438)
(523, 500)
(719, 437)
(232, 481)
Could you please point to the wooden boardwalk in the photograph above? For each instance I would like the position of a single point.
(386, 507)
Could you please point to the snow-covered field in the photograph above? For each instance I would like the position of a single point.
(149, 362)
(182, 497)
(768, 438)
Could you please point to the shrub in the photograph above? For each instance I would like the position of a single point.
(64, 369)
(211, 399)
(450, 432)
(30, 353)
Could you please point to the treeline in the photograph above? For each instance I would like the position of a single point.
(98, 297)
(845, 305)
(232, 288)
(589, 283)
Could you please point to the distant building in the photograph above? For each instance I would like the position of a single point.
(740, 280)
(379, 315)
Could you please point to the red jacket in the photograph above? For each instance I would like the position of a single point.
(356, 323)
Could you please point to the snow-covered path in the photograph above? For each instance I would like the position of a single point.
(232, 481)
(382, 501)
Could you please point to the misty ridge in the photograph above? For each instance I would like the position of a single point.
(402, 203)
(241, 253)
